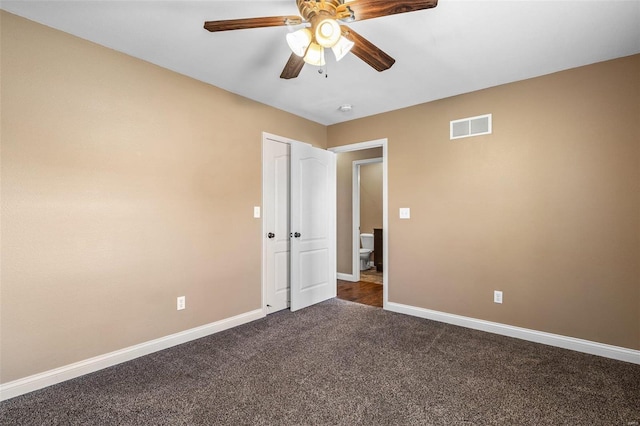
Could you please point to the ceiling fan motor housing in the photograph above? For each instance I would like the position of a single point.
(334, 9)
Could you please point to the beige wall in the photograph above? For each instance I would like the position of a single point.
(344, 206)
(370, 197)
(124, 185)
(546, 209)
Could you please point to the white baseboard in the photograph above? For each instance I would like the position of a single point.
(41, 380)
(572, 343)
(346, 277)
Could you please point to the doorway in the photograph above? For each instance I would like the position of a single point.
(367, 217)
(353, 275)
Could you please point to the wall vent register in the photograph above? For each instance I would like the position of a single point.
(472, 126)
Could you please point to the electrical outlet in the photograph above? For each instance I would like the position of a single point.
(497, 296)
(182, 303)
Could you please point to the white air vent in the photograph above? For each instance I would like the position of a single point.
(472, 126)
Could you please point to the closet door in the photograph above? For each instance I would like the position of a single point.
(276, 221)
(312, 225)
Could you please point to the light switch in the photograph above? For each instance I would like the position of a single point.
(256, 212)
(405, 213)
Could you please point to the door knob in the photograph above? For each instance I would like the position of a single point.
(271, 235)
(297, 235)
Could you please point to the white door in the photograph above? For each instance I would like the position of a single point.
(312, 226)
(276, 220)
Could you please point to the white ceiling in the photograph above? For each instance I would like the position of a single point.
(457, 47)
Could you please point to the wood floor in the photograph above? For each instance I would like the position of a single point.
(360, 292)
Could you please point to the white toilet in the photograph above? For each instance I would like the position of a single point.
(366, 250)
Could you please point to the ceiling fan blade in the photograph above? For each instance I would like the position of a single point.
(367, 9)
(367, 51)
(293, 67)
(243, 24)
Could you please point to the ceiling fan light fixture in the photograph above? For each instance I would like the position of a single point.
(327, 33)
(342, 47)
(315, 55)
(299, 41)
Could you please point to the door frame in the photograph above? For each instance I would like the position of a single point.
(385, 210)
(355, 209)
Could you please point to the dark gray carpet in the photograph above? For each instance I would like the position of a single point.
(342, 363)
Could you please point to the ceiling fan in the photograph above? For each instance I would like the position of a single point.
(324, 28)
